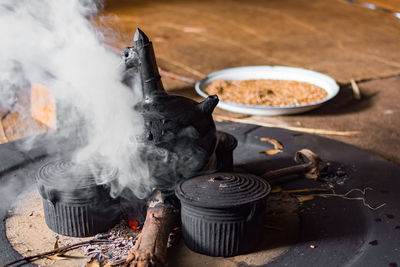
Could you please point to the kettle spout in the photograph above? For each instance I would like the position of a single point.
(140, 63)
(140, 39)
(209, 104)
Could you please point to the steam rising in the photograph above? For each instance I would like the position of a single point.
(51, 42)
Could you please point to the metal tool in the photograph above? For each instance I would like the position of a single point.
(309, 166)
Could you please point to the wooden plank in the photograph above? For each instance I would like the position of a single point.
(3, 138)
(17, 125)
(345, 41)
(393, 5)
(19, 122)
(43, 106)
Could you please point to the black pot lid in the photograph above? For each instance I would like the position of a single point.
(64, 173)
(222, 190)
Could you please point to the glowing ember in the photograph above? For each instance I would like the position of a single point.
(134, 225)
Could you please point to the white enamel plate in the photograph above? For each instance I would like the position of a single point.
(271, 73)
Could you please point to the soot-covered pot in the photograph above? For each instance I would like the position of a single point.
(74, 205)
(180, 135)
(222, 213)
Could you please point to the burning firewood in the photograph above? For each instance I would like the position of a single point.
(151, 246)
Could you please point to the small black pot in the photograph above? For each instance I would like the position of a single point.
(224, 151)
(74, 205)
(223, 213)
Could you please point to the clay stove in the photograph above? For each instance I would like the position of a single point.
(180, 142)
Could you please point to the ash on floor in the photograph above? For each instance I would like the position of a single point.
(29, 235)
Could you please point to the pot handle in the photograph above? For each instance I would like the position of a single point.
(42, 191)
(50, 195)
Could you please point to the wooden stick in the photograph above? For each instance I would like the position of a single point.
(176, 76)
(305, 190)
(57, 250)
(181, 66)
(356, 90)
(150, 249)
(291, 128)
(3, 138)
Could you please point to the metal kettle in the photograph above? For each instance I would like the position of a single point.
(180, 136)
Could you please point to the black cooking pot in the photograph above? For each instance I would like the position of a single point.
(74, 205)
(223, 213)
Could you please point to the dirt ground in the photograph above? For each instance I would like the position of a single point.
(341, 39)
(29, 235)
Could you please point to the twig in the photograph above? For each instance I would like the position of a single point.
(275, 143)
(352, 198)
(362, 191)
(305, 190)
(176, 76)
(58, 250)
(3, 138)
(291, 128)
(345, 196)
(181, 66)
(356, 90)
(303, 198)
(118, 262)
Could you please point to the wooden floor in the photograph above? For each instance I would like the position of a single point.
(346, 41)
(393, 5)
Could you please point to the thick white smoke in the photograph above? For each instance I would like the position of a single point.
(51, 42)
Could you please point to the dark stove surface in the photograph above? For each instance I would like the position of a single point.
(344, 232)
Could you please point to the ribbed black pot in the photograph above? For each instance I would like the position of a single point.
(223, 213)
(74, 205)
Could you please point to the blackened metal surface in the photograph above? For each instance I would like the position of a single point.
(223, 232)
(341, 230)
(81, 220)
(222, 213)
(74, 205)
(222, 190)
(62, 180)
